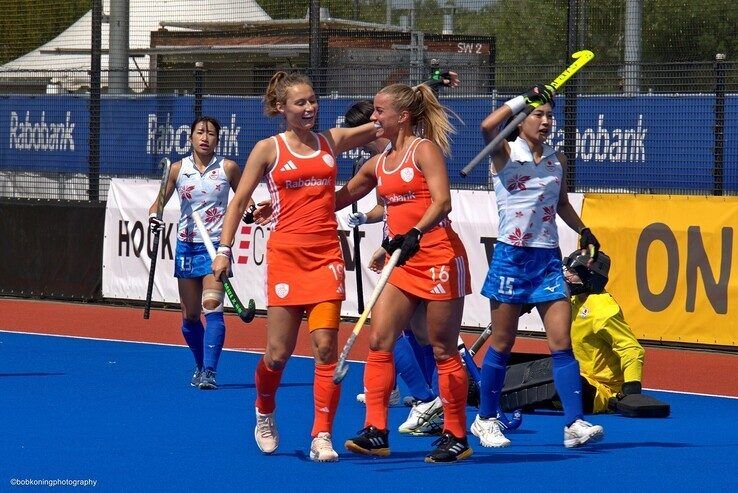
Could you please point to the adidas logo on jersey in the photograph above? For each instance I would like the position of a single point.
(438, 289)
(289, 166)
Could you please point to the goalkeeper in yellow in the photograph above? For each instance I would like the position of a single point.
(610, 357)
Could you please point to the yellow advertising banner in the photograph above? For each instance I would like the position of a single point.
(673, 261)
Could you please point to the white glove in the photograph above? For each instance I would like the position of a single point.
(355, 219)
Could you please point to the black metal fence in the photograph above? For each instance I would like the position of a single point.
(91, 90)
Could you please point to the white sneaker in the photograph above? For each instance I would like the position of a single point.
(265, 433)
(581, 432)
(421, 414)
(321, 450)
(393, 401)
(489, 432)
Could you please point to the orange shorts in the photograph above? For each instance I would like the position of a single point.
(324, 315)
(304, 269)
(439, 271)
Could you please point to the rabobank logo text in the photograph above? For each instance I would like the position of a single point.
(163, 138)
(617, 145)
(397, 197)
(309, 182)
(36, 134)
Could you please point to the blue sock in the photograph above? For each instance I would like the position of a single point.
(417, 348)
(434, 380)
(409, 370)
(568, 384)
(429, 367)
(493, 378)
(193, 332)
(214, 339)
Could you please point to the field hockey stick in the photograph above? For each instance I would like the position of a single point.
(481, 340)
(246, 314)
(357, 245)
(471, 366)
(341, 366)
(164, 164)
(581, 58)
(475, 374)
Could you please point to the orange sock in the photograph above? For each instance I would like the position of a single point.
(379, 380)
(452, 385)
(267, 383)
(325, 395)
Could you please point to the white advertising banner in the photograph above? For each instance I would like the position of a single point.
(128, 242)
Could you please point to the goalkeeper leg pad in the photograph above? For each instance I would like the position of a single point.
(528, 384)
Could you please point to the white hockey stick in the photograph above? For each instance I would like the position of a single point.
(341, 366)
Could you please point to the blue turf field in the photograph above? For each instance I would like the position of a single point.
(124, 415)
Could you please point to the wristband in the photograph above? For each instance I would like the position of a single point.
(224, 251)
(516, 104)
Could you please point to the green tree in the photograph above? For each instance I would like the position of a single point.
(27, 24)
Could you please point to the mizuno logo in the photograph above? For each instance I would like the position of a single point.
(438, 290)
(290, 166)
(189, 174)
(551, 288)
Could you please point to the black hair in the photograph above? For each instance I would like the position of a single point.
(514, 134)
(206, 119)
(359, 113)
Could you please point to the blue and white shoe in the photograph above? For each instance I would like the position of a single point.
(207, 380)
(195, 382)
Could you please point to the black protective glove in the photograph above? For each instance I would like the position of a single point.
(408, 243)
(248, 216)
(438, 79)
(630, 388)
(155, 224)
(540, 94)
(587, 241)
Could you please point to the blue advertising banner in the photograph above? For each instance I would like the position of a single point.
(645, 143)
